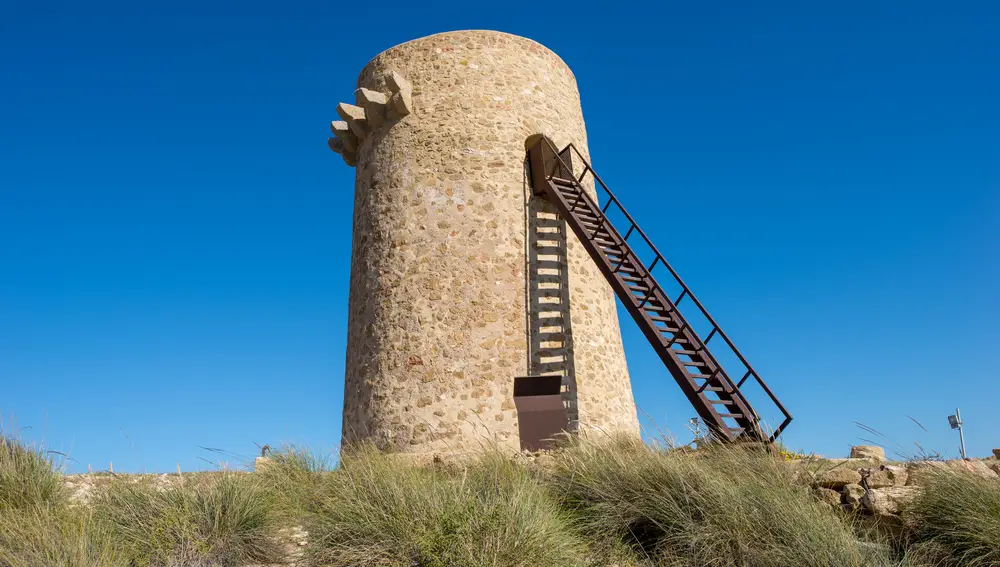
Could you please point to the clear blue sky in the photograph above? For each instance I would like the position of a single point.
(175, 234)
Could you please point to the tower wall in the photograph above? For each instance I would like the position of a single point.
(461, 280)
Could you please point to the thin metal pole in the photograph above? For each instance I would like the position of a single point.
(961, 432)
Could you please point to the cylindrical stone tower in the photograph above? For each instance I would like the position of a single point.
(461, 280)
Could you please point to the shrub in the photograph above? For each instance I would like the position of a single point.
(224, 520)
(378, 510)
(716, 506)
(27, 477)
(956, 520)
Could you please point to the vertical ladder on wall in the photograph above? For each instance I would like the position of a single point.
(716, 397)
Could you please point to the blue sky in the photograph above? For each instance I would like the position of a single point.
(176, 235)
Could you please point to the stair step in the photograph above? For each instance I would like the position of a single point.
(670, 330)
(723, 402)
(661, 318)
(703, 376)
(561, 181)
(732, 415)
(693, 363)
(713, 389)
(687, 352)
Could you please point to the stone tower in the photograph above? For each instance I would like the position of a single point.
(461, 280)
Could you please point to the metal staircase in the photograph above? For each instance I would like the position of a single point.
(720, 403)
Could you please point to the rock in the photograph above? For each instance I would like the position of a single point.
(872, 452)
(355, 118)
(851, 496)
(886, 476)
(979, 468)
(343, 131)
(374, 104)
(828, 496)
(921, 470)
(888, 501)
(994, 466)
(918, 471)
(837, 478)
(996, 453)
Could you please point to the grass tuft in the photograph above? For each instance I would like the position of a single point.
(379, 510)
(27, 477)
(227, 520)
(717, 506)
(956, 520)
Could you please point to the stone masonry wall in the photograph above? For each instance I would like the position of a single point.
(447, 304)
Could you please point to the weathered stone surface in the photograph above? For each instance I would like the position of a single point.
(444, 251)
(837, 478)
(397, 83)
(872, 452)
(355, 118)
(888, 475)
(374, 104)
(994, 466)
(400, 105)
(851, 495)
(261, 463)
(889, 501)
(920, 471)
(996, 453)
(336, 144)
(828, 496)
(343, 131)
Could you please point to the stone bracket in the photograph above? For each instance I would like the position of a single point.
(373, 110)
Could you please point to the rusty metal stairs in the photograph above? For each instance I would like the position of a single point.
(560, 177)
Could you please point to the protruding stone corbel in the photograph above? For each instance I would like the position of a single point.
(401, 98)
(345, 143)
(374, 104)
(355, 118)
(373, 110)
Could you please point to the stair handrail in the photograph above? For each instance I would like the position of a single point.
(685, 289)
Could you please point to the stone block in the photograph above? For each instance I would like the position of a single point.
(889, 501)
(374, 104)
(838, 478)
(355, 118)
(920, 471)
(397, 83)
(851, 495)
(401, 101)
(828, 496)
(872, 452)
(996, 454)
(262, 463)
(887, 476)
(400, 105)
(343, 131)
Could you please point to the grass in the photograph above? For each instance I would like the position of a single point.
(378, 510)
(28, 477)
(60, 537)
(956, 520)
(718, 506)
(227, 521)
(610, 503)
